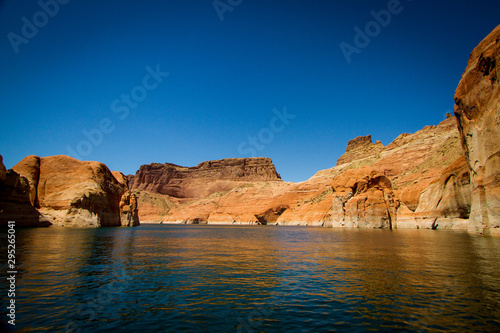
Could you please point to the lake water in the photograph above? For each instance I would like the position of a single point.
(167, 278)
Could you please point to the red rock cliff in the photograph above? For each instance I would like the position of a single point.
(205, 178)
(69, 192)
(477, 108)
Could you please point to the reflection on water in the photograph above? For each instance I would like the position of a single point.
(255, 279)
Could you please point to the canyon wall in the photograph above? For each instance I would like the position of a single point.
(477, 108)
(441, 177)
(372, 186)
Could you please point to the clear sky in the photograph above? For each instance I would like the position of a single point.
(265, 78)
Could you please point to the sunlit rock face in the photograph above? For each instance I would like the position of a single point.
(360, 147)
(363, 198)
(128, 210)
(204, 179)
(68, 192)
(477, 109)
(375, 187)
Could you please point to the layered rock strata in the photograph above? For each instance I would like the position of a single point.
(380, 188)
(360, 147)
(477, 108)
(204, 179)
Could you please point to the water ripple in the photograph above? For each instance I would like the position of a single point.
(256, 279)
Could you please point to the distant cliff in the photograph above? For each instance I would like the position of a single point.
(204, 179)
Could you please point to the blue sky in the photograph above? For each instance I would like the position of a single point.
(88, 69)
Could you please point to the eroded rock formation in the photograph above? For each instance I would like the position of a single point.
(360, 147)
(29, 168)
(68, 192)
(129, 216)
(477, 108)
(363, 198)
(382, 187)
(368, 190)
(15, 202)
(420, 180)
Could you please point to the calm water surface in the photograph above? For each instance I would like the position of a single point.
(158, 278)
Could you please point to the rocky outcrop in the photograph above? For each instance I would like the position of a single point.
(360, 147)
(15, 202)
(129, 216)
(29, 167)
(449, 196)
(68, 192)
(121, 178)
(477, 109)
(413, 161)
(271, 215)
(153, 207)
(204, 179)
(363, 198)
(77, 193)
(3, 170)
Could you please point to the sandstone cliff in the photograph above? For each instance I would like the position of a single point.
(15, 200)
(129, 212)
(204, 179)
(360, 147)
(477, 108)
(69, 192)
(373, 187)
(445, 176)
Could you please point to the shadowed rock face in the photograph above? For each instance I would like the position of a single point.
(271, 215)
(204, 179)
(477, 109)
(450, 195)
(3, 170)
(29, 168)
(15, 202)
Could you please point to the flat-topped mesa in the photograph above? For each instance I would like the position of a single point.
(359, 148)
(205, 178)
